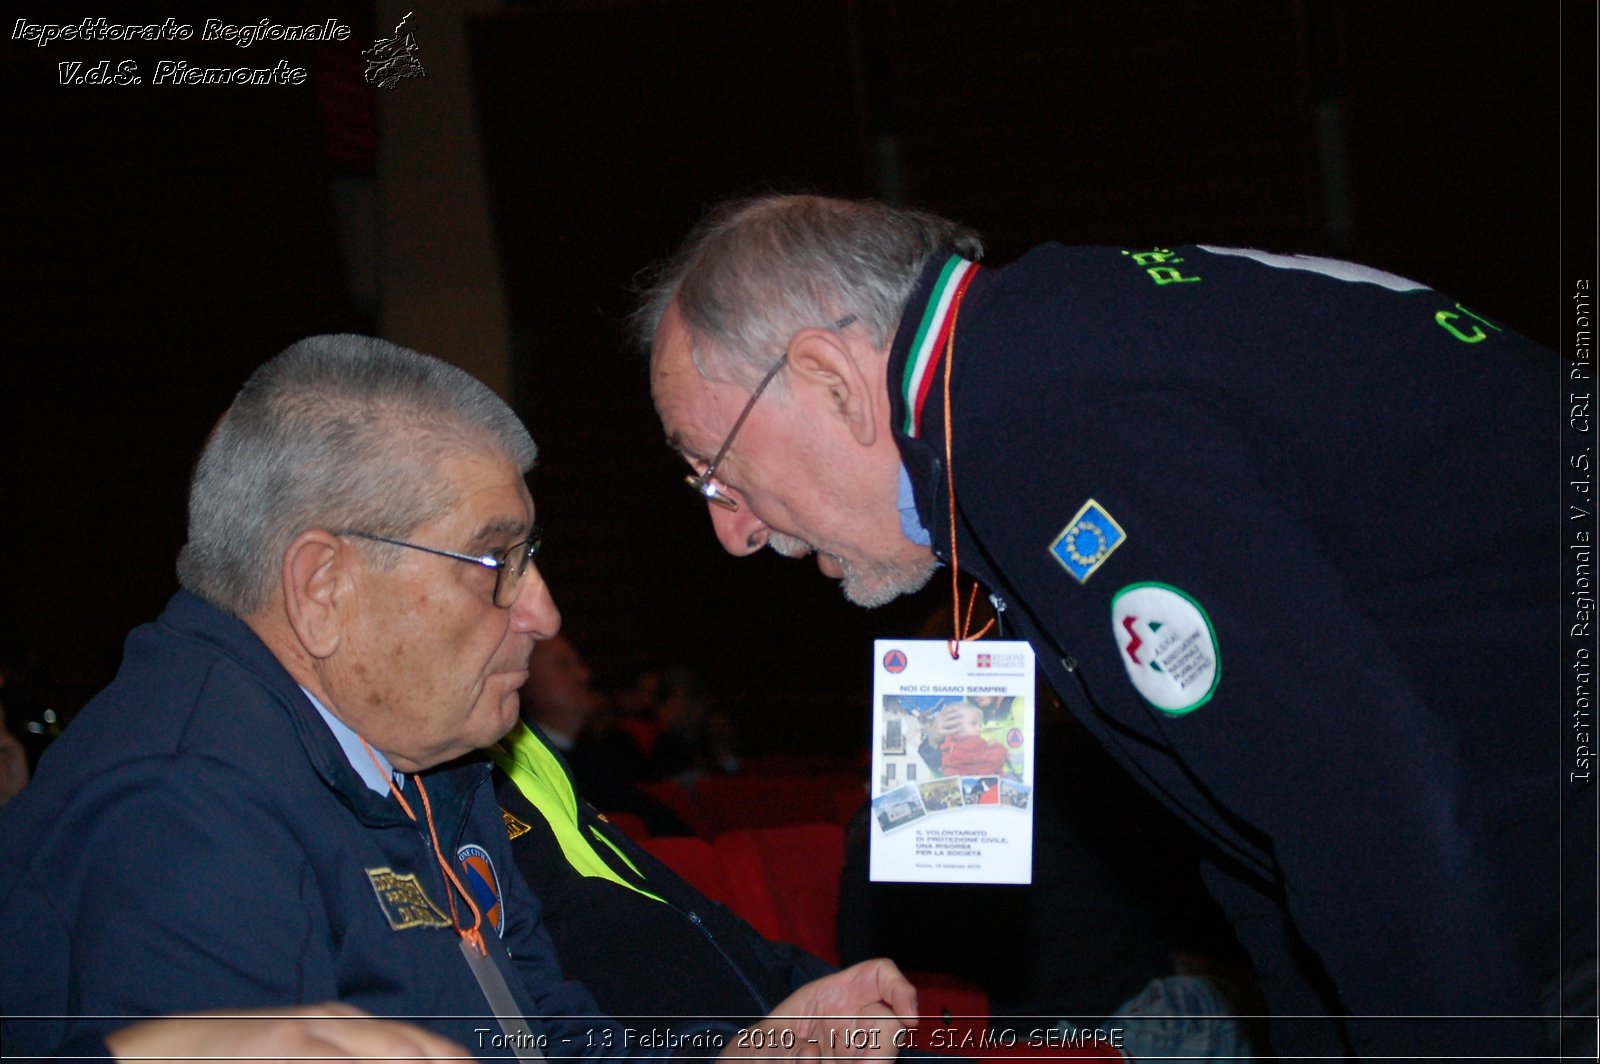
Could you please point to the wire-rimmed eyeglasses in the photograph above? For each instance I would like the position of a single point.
(704, 483)
(509, 566)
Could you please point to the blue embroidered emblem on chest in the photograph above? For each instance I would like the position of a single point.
(1087, 541)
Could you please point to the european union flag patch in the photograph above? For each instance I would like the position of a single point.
(1087, 541)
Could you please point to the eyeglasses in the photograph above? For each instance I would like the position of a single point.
(703, 484)
(509, 566)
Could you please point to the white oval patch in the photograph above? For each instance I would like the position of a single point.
(1167, 644)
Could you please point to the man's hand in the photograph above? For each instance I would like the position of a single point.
(857, 1013)
(333, 1031)
(959, 718)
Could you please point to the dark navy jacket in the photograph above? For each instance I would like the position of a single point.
(1351, 485)
(198, 840)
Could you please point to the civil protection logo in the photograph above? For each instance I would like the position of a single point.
(894, 661)
(481, 882)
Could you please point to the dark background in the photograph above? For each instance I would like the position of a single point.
(163, 242)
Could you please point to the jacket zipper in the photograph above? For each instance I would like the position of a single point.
(694, 918)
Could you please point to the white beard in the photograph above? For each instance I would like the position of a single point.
(868, 584)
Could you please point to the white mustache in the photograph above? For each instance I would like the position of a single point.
(789, 546)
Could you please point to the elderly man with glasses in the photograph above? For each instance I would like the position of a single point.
(1282, 531)
(278, 800)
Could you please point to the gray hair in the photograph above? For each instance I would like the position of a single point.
(754, 272)
(337, 432)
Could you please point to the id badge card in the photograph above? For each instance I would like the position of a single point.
(516, 1035)
(952, 762)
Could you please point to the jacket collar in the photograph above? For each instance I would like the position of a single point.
(916, 400)
(543, 777)
(195, 619)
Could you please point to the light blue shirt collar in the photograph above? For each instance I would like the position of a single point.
(910, 524)
(374, 777)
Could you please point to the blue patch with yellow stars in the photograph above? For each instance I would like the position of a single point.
(1087, 541)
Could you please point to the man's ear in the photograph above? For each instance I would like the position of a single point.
(820, 360)
(316, 581)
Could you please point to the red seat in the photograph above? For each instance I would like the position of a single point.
(642, 732)
(696, 860)
(847, 798)
(819, 764)
(630, 824)
(785, 882)
(733, 803)
(677, 798)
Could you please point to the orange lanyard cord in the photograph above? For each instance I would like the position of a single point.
(472, 934)
(962, 627)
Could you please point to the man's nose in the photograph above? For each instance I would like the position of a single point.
(740, 531)
(535, 610)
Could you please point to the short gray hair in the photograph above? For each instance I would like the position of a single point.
(337, 432)
(754, 272)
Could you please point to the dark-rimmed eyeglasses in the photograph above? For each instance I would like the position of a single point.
(509, 566)
(704, 483)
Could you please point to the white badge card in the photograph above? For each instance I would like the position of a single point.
(952, 762)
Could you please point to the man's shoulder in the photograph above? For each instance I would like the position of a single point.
(194, 684)
(184, 706)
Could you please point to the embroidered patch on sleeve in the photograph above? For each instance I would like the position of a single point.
(482, 882)
(514, 828)
(1168, 646)
(1087, 541)
(404, 902)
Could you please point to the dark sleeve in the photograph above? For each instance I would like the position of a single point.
(1300, 1029)
(576, 1024)
(147, 918)
(778, 968)
(787, 962)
